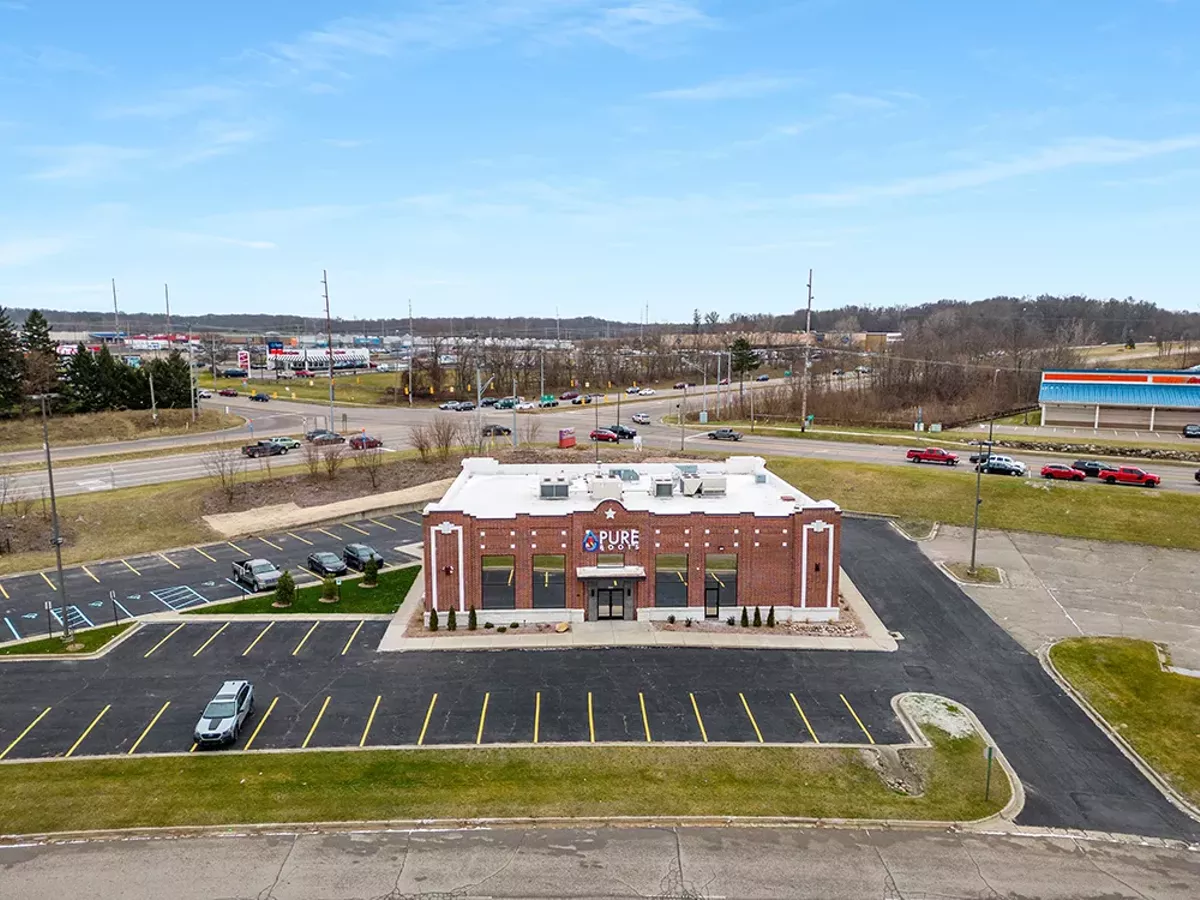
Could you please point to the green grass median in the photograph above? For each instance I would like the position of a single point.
(383, 599)
(1157, 712)
(215, 789)
(81, 642)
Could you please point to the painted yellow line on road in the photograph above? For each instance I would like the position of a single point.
(131, 568)
(746, 706)
(88, 730)
(482, 718)
(236, 547)
(537, 715)
(28, 728)
(257, 639)
(205, 555)
(645, 718)
(381, 524)
(48, 581)
(428, 716)
(300, 539)
(371, 718)
(194, 746)
(699, 721)
(4, 593)
(170, 635)
(269, 544)
(261, 723)
(813, 734)
(142, 736)
(316, 722)
(856, 718)
(353, 635)
(210, 640)
(305, 638)
(591, 720)
(168, 559)
(89, 574)
(355, 528)
(336, 537)
(409, 521)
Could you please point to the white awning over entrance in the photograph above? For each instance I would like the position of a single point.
(610, 572)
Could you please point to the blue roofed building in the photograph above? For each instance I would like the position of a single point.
(1141, 399)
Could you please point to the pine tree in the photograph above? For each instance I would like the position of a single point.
(81, 382)
(110, 381)
(757, 618)
(472, 620)
(35, 334)
(10, 364)
(771, 617)
(743, 359)
(451, 621)
(745, 617)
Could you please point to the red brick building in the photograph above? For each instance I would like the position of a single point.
(613, 541)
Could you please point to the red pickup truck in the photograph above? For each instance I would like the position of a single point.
(933, 455)
(1128, 475)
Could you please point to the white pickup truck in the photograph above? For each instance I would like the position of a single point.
(256, 574)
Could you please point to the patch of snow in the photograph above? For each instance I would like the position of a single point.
(927, 709)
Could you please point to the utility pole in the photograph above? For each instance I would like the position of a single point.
(191, 375)
(514, 412)
(56, 539)
(807, 358)
(682, 415)
(167, 297)
(412, 352)
(329, 336)
(719, 355)
(542, 380)
(153, 405)
(116, 315)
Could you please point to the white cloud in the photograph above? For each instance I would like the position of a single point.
(173, 103)
(216, 139)
(192, 237)
(81, 161)
(736, 88)
(22, 252)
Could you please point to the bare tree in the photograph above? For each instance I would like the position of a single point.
(6, 487)
(531, 430)
(421, 438)
(226, 468)
(333, 457)
(444, 431)
(370, 460)
(312, 458)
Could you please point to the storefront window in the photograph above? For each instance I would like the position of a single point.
(549, 582)
(720, 578)
(610, 560)
(670, 579)
(499, 591)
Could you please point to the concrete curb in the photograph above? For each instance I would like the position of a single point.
(135, 626)
(1165, 788)
(973, 584)
(933, 532)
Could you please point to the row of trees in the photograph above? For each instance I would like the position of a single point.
(28, 362)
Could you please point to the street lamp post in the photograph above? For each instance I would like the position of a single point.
(57, 535)
(978, 479)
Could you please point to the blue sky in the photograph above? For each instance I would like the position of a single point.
(517, 156)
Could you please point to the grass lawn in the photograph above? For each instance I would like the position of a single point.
(384, 599)
(82, 641)
(1144, 516)
(132, 454)
(1157, 712)
(364, 387)
(212, 789)
(99, 428)
(983, 574)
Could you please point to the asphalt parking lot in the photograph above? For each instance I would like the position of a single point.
(183, 578)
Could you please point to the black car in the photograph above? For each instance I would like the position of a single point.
(1191, 431)
(488, 401)
(328, 437)
(466, 406)
(624, 433)
(998, 466)
(1089, 467)
(356, 556)
(261, 397)
(491, 429)
(326, 563)
(315, 433)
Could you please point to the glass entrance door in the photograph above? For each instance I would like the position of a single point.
(610, 603)
(712, 599)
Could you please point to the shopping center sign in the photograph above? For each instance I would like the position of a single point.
(614, 540)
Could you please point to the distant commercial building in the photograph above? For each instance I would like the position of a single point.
(1145, 399)
(552, 543)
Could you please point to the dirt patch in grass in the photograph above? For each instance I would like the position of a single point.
(383, 599)
(100, 428)
(81, 642)
(981, 575)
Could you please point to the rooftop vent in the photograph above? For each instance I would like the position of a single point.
(760, 477)
(663, 487)
(605, 487)
(713, 484)
(554, 488)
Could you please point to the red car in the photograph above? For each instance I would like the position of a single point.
(227, 392)
(603, 434)
(933, 455)
(364, 442)
(1063, 473)
(1128, 475)
(304, 373)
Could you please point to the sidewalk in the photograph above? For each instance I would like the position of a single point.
(635, 634)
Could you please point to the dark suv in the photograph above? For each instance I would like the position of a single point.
(1191, 431)
(624, 433)
(1089, 467)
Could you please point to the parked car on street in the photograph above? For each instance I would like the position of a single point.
(493, 430)
(725, 434)
(680, 385)
(488, 401)
(568, 395)
(723, 381)
(325, 563)
(226, 713)
(466, 406)
(1128, 475)
(256, 574)
(647, 392)
(227, 392)
(450, 405)
(288, 443)
(328, 437)
(315, 433)
(1062, 472)
(356, 555)
(364, 442)
(260, 397)
(1191, 431)
(604, 434)
(1001, 465)
(526, 404)
(1090, 467)
(932, 455)
(304, 373)
(623, 432)
(582, 399)
(263, 448)
(641, 418)
(234, 373)
(632, 390)
(763, 378)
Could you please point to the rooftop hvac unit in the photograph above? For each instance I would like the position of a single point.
(663, 487)
(712, 484)
(605, 487)
(760, 477)
(689, 484)
(554, 488)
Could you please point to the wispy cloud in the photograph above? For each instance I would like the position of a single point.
(178, 102)
(215, 139)
(13, 5)
(81, 161)
(24, 251)
(1096, 151)
(736, 88)
(193, 237)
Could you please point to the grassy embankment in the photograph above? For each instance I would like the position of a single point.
(82, 642)
(108, 427)
(1157, 712)
(103, 458)
(1160, 518)
(212, 789)
(384, 599)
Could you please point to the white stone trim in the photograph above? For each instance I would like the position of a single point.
(508, 616)
(446, 528)
(817, 527)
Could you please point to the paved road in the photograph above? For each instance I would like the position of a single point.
(1074, 776)
(602, 863)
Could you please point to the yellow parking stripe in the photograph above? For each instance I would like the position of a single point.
(316, 722)
(305, 638)
(142, 736)
(336, 537)
(261, 723)
(856, 718)
(591, 720)
(409, 521)
(88, 730)
(699, 721)
(131, 568)
(381, 524)
(170, 635)
(269, 544)
(428, 716)
(751, 716)
(353, 635)
(28, 728)
(210, 640)
(89, 574)
(812, 734)
(482, 717)
(236, 547)
(205, 555)
(370, 719)
(257, 639)
(300, 539)
(168, 559)
(353, 528)
(4, 593)
(537, 714)
(48, 581)
(194, 746)
(645, 718)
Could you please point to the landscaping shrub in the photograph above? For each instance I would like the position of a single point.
(514, 626)
(771, 617)
(671, 619)
(371, 571)
(731, 621)
(757, 617)
(285, 589)
(472, 620)
(433, 620)
(329, 590)
(451, 620)
(488, 625)
(745, 618)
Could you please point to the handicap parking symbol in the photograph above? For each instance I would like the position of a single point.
(134, 597)
(96, 603)
(30, 616)
(210, 584)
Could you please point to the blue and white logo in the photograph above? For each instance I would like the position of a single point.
(591, 543)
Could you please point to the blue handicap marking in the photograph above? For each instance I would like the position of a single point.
(133, 596)
(210, 584)
(30, 616)
(96, 603)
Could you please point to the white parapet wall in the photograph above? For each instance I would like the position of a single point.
(508, 616)
(696, 613)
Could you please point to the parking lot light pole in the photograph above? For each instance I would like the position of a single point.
(978, 500)
(57, 535)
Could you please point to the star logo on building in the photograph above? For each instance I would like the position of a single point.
(610, 514)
